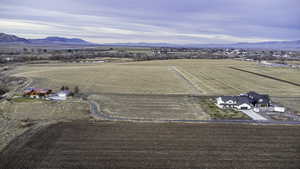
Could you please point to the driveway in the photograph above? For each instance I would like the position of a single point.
(254, 116)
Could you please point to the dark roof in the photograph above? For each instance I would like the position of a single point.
(238, 99)
(253, 94)
(243, 100)
(259, 98)
(227, 98)
(250, 98)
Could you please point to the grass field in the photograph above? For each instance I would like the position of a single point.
(111, 145)
(201, 77)
(109, 78)
(217, 78)
(213, 77)
(44, 110)
(151, 107)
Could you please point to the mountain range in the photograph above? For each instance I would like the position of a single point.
(279, 45)
(12, 39)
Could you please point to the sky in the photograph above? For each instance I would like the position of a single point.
(154, 21)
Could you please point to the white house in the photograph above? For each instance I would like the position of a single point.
(238, 102)
(226, 101)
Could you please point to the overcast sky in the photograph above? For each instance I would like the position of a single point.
(171, 21)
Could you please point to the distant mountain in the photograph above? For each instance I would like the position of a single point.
(271, 45)
(60, 40)
(279, 45)
(143, 44)
(12, 39)
(5, 38)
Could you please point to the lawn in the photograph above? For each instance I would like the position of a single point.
(216, 113)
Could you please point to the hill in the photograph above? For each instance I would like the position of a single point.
(59, 40)
(5, 38)
(12, 39)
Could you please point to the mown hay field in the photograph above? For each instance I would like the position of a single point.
(210, 77)
(109, 78)
(216, 77)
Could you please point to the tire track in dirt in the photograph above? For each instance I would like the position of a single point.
(192, 85)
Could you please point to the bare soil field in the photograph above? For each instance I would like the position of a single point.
(151, 107)
(87, 145)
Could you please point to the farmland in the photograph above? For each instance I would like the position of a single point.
(151, 107)
(153, 92)
(18, 116)
(110, 78)
(217, 78)
(82, 144)
(209, 77)
(197, 77)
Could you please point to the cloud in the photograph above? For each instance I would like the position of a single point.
(191, 21)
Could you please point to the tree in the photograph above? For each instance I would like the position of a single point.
(76, 90)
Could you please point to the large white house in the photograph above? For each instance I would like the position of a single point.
(244, 101)
(238, 102)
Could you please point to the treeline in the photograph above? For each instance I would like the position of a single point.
(71, 55)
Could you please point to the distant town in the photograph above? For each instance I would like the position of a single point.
(29, 54)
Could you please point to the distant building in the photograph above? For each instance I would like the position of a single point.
(61, 95)
(37, 92)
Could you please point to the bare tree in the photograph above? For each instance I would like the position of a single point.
(76, 90)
